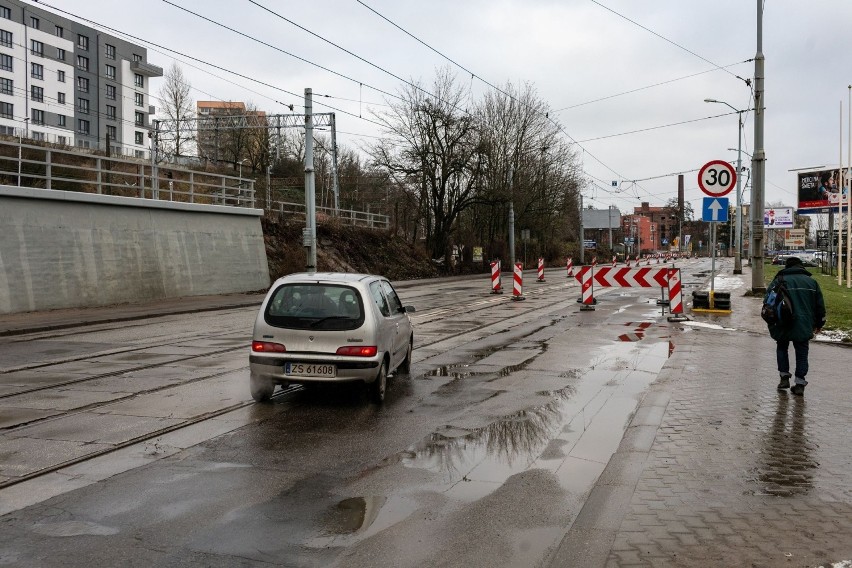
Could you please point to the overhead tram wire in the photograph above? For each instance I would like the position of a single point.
(547, 115)
(674, 43)
(209, 64)
(657, 127)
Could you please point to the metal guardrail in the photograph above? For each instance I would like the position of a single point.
(50, 167)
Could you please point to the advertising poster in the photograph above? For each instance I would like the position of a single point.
(781, 218)
(818, 190)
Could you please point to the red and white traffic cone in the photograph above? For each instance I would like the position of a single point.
(496, 283)
(518, 286)
(569, 265)
(540, 270)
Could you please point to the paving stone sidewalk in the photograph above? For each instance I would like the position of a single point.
(718, 468)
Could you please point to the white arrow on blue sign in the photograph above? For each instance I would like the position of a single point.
(715, 210)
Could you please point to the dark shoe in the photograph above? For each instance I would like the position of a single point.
(798, 390)
(785, 382)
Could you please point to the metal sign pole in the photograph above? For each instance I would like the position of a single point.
(712, 257)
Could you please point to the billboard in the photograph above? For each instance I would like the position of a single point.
(601, 218)
(818, 190)
(778, 218)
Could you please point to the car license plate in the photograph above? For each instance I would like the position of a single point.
(310, 370)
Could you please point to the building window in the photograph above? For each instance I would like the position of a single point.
(38, 116)
(140, 99)
(110, 112)
(83, 42)
(139, 137)
(82, 84)
(5, 38)
(60, 31)
(111, 132)
(60, 54)
(60, 76)
(5, 62)
(137, 57)
(60, 98)
(37, 136)
(140, 119)
(37, 94)
(5, 13)
(110, 51)
(110, 92)
(62, 140)
(36, 71)
(83, 62)
(7, 110)
(83, 105)
(110, 72)
(34, 22)
(138, 80)
(6, 86)
(83, 126)
(36, 48)
(61, 120)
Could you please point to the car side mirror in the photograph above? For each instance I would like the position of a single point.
(409, 309)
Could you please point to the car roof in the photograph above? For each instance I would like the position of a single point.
(326, 277)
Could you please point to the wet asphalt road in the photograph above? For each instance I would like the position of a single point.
(483, 456)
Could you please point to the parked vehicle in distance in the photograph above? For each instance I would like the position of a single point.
(330, 327)
(780, 258)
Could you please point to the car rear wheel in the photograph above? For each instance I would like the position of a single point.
(405, 366)
(378, 387)
(261, 389)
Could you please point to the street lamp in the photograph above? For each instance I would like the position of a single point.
(738, 256)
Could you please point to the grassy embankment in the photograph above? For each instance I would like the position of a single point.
(838, 299)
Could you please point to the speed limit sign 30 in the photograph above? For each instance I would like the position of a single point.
(717, 178)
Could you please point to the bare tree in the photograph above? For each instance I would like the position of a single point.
(178, 108)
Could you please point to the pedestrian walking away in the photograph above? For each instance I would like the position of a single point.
(808, 319)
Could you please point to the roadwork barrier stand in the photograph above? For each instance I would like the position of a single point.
(518, 283)
(570, 266)
(711, 302)
(675, 296)
(496, 282)
(541, 270)
(587, 298)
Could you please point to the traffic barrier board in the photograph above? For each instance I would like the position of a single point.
(615, 277)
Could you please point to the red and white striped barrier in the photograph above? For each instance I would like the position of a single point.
(587, 298)
(627, 260)
(608, 277)
(637, 260)
(594, 261)
(540, 270)
(675, 291)
(496, 282)
(518, 285)
(647, 260)
(614, 261)
(569, 265)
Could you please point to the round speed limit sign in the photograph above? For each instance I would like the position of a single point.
(717, 178)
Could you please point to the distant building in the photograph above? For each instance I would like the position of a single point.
(225, 132)
(663, 224)
(67, 83)
(640, 234)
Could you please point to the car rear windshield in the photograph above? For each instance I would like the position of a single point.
(315, 306)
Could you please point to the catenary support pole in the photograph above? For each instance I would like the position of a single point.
(582, 235)
(335, 181)
(738, 245)
(310, 198)
(758, 163)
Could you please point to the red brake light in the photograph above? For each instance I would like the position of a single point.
(267, 347)
(358, 350)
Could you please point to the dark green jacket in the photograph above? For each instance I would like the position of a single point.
(808, 305)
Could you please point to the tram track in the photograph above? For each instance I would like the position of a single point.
(436, 314)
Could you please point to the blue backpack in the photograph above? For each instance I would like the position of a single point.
(777, 305)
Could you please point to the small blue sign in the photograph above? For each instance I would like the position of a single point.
(715, 210)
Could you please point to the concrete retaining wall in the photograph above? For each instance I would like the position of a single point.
(65, 250)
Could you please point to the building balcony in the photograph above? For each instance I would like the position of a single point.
(146, 69)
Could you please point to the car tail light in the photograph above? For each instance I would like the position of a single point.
(267, 347)
(358, 350)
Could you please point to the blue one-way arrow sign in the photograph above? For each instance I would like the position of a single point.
(715, 210)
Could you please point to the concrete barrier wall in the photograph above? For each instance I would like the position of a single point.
(64, 250)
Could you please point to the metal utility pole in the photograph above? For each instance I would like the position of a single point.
(335, 182)
(155, 148)
(511, 220)
(582, 234)
(848, 194)
(738, 247)
(310, 234)
(758, 164)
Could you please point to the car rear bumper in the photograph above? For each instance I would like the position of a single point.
(348, 370)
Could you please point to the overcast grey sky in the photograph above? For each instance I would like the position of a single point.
(572, 51)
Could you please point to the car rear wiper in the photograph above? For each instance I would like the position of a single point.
(321, 320)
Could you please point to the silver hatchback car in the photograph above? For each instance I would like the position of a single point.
(330, 327)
